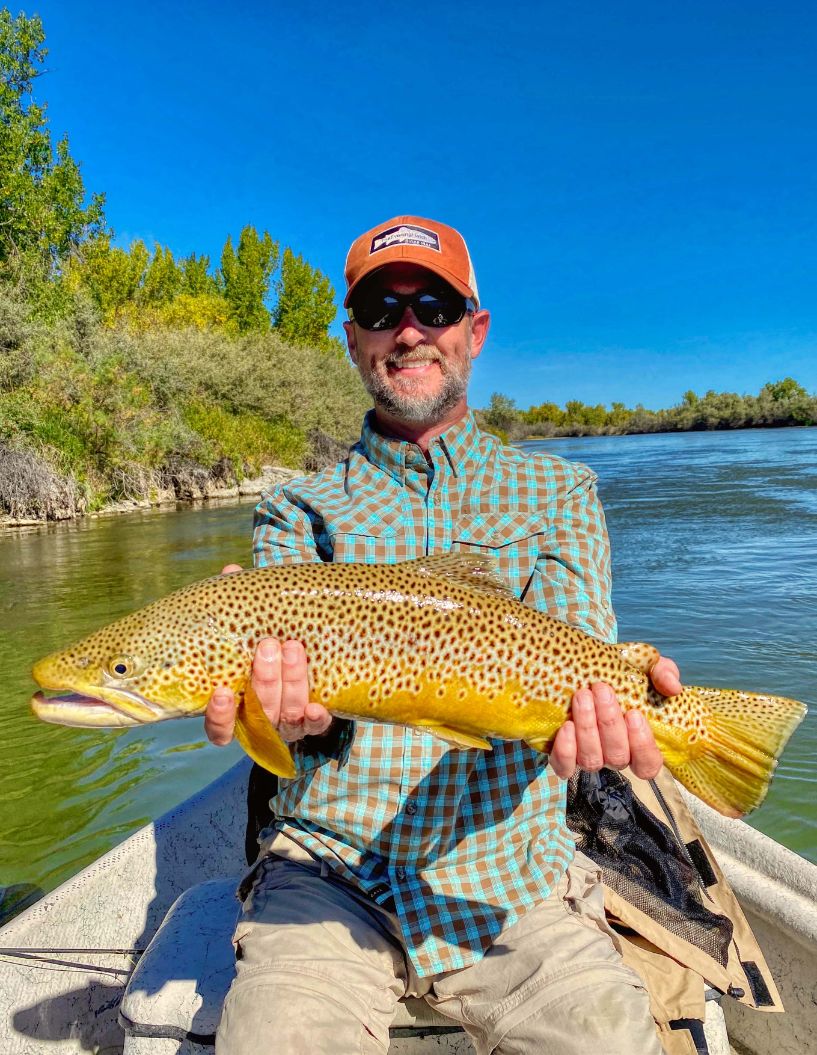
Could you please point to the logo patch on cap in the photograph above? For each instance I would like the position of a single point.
(406, 234)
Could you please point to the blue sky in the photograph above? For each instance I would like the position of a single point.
(637, 182)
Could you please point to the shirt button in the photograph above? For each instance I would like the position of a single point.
(411, 807)
(400, 872)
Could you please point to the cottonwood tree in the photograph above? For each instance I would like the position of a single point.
(306, 304)
(245, 277)
(43, 210)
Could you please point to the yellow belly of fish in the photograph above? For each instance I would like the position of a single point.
(454, 710)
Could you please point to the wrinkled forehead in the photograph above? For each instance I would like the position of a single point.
(403, 277)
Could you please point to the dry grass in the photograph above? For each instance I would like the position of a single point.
(30, 489)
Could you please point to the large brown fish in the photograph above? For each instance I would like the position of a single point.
(438, 643)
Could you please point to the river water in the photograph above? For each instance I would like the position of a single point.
(715, 562)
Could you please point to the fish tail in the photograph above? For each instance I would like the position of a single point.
(259, 737)
(729, 764)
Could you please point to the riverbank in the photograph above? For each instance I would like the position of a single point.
(201, 489)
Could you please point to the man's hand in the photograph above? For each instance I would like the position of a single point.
(280, 680)
(599, 734)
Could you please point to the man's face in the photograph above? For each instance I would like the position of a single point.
(417, 374)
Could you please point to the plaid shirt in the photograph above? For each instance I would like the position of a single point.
(462, 841)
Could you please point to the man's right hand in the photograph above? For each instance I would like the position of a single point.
(280, 680)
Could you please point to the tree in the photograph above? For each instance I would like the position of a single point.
(306, 303)
(501, 413)
(163, 278)
(111, 275)
(788, 388)
(549, 412)
(43, 215)
(245, 278)
(196, 277)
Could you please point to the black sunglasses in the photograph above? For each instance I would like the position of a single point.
(383, 309)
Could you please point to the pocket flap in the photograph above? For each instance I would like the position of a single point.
(371, 522)
(498, 529)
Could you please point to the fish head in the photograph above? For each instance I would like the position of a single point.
(133, 672)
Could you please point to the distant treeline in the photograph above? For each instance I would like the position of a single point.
(125, 372)
(777, 404)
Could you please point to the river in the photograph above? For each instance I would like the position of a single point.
(715, 562)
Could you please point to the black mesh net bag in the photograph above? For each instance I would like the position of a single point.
(643, 860)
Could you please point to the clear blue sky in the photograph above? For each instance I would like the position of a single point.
(637, 181)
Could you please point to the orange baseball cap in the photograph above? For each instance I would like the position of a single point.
(414, 240)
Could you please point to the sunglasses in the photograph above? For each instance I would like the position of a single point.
(383, 309)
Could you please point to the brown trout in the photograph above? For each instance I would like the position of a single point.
(438, 643)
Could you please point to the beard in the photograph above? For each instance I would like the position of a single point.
(405, 399)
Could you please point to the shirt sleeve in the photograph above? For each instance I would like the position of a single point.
(573, 569)
(284, 532)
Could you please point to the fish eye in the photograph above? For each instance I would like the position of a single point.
(122, 666)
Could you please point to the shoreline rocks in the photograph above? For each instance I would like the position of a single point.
(198, 489)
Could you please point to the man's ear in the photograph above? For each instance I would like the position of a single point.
(480, 324)
(351, 342)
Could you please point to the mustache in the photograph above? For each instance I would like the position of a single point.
(424, 353)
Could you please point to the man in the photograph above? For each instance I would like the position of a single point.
(398, 865)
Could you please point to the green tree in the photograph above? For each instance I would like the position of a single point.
(788, 388)
(550, 412)
(42, 196)
(501, 413)
(196, 277)
(619, 415)
(163, 278)
(306, 303)
(112, 276)
(245, 278)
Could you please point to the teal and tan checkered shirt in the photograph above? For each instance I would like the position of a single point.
(463, 841)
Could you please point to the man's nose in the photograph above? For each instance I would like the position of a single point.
(410, 332)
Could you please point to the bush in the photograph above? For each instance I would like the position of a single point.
(30, 489)
(122, 412)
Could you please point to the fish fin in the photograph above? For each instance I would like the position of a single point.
(639, 655)
(730, 766)
(260, 738)
(475, 571)
(455, 736)
(542, 743)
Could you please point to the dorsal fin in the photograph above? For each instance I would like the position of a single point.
(639, 655)
(475, 571)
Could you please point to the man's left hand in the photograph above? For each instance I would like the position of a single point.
(599, 734)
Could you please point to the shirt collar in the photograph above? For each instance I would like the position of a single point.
(458, 445)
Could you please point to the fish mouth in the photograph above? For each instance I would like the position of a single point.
(74, 708)
(106, 708)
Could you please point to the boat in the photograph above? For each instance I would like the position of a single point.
(75, 976)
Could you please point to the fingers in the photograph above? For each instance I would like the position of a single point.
(281, 681)
(266, 677)
(666, 677)
(646, 759)
(562, 757)
(600, 735)
(219, 718)
(294, 691)
(228, 569)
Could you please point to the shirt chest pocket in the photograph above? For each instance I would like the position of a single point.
(378, 538)
(515, 541)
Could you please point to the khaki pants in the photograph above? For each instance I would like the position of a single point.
(320, 970)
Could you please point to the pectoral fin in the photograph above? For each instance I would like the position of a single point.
(456, 736)
(639, 655)
(260, 738)
(542, 744)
